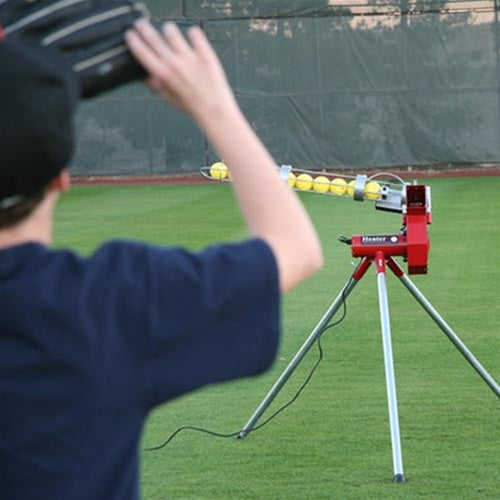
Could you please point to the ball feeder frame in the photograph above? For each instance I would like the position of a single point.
(412, 244)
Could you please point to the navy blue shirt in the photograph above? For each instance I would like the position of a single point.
(89, 345)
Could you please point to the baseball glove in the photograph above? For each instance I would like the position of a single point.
(87, 32)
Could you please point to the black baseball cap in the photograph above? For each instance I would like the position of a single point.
(38, 98)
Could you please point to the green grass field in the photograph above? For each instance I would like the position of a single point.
(334, 441)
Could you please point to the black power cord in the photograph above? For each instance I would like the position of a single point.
(279, 410)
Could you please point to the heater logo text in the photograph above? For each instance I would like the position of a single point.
(379, 240)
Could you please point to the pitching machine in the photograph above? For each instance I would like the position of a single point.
(411, 244)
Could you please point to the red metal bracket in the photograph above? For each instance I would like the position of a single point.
(412, 243)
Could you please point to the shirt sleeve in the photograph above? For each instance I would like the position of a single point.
(209, 316)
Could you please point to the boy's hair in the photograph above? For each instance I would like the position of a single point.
(38, 98)
(24, 208)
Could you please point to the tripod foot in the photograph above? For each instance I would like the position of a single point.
(242, 435)
(399, 478)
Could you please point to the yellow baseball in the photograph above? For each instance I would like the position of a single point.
(372, 190)
(350, 187)
(338, 186)
(321, 184)
(218, 171)
(304, 182)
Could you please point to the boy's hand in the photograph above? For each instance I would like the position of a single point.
(186, 72)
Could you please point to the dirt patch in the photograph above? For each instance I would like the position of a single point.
(142, 180)
(195, 178)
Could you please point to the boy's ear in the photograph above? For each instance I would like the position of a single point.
(62, 182)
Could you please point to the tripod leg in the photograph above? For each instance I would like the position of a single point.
(389, 370)
(444, 327)
(353, 280)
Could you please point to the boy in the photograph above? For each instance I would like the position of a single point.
(89, 346)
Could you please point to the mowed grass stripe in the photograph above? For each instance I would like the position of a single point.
(158, 214)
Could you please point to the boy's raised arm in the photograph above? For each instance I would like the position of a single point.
(188, 74)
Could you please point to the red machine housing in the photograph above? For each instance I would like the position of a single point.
(412, 243)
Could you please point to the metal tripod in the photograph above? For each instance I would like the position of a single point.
(381, 261)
